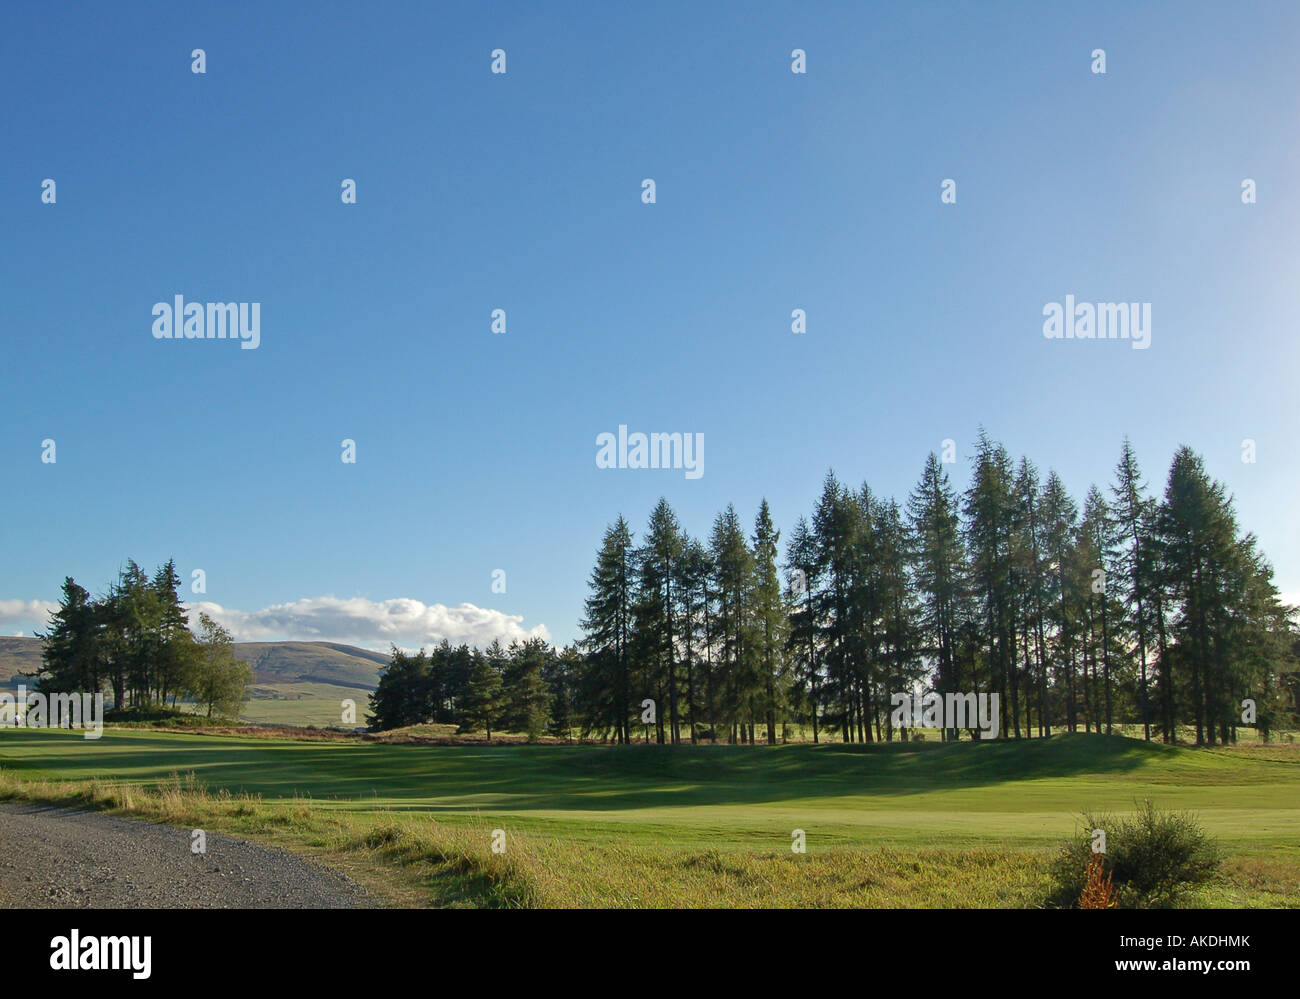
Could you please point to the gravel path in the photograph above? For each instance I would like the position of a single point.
(59, 858)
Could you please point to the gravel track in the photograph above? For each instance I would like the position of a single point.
(61, 858)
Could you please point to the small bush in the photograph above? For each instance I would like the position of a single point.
(1152, 858)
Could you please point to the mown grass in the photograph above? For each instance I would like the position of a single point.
(301, 703)
(414, 861)
(886, 826)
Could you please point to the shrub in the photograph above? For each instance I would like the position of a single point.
(1098, 892)
(1153, 858)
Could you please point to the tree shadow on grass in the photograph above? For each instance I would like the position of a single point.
(582, 778)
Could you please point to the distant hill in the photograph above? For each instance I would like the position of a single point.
(272, 662)
(313, 662)
(18, 655)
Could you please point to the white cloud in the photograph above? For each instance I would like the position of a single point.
(22, 611)
(357, 621)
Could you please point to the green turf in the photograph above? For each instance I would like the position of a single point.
(302, 704)
(1003, 794)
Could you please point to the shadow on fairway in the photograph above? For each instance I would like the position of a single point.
(563, 778)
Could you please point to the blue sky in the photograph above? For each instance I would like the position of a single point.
(522, 191)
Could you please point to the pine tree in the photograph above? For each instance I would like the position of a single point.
(836, 522)
(804, 628)
(482, 705)
(398, 698)
(607, 682)
(1132, 511)
(900, 654)
(525, 700)
(1034, 593)
(770, 621)
(656, 611)
(692, 575)
(864, 638)
(1097, 556)
(733, 583)
(560, 674)
(69, 656)
(177, 654)
(938, 571)
(989, 510)
(1198, 541)
(132, 614)
(1059, 517)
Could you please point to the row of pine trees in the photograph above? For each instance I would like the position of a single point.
(135, 642)
(526, 688)
(1133, 609)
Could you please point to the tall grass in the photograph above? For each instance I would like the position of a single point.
(414, 859)
(411, 859)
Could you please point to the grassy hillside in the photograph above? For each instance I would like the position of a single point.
(18, 655)
(588, 824)
(313, 662)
